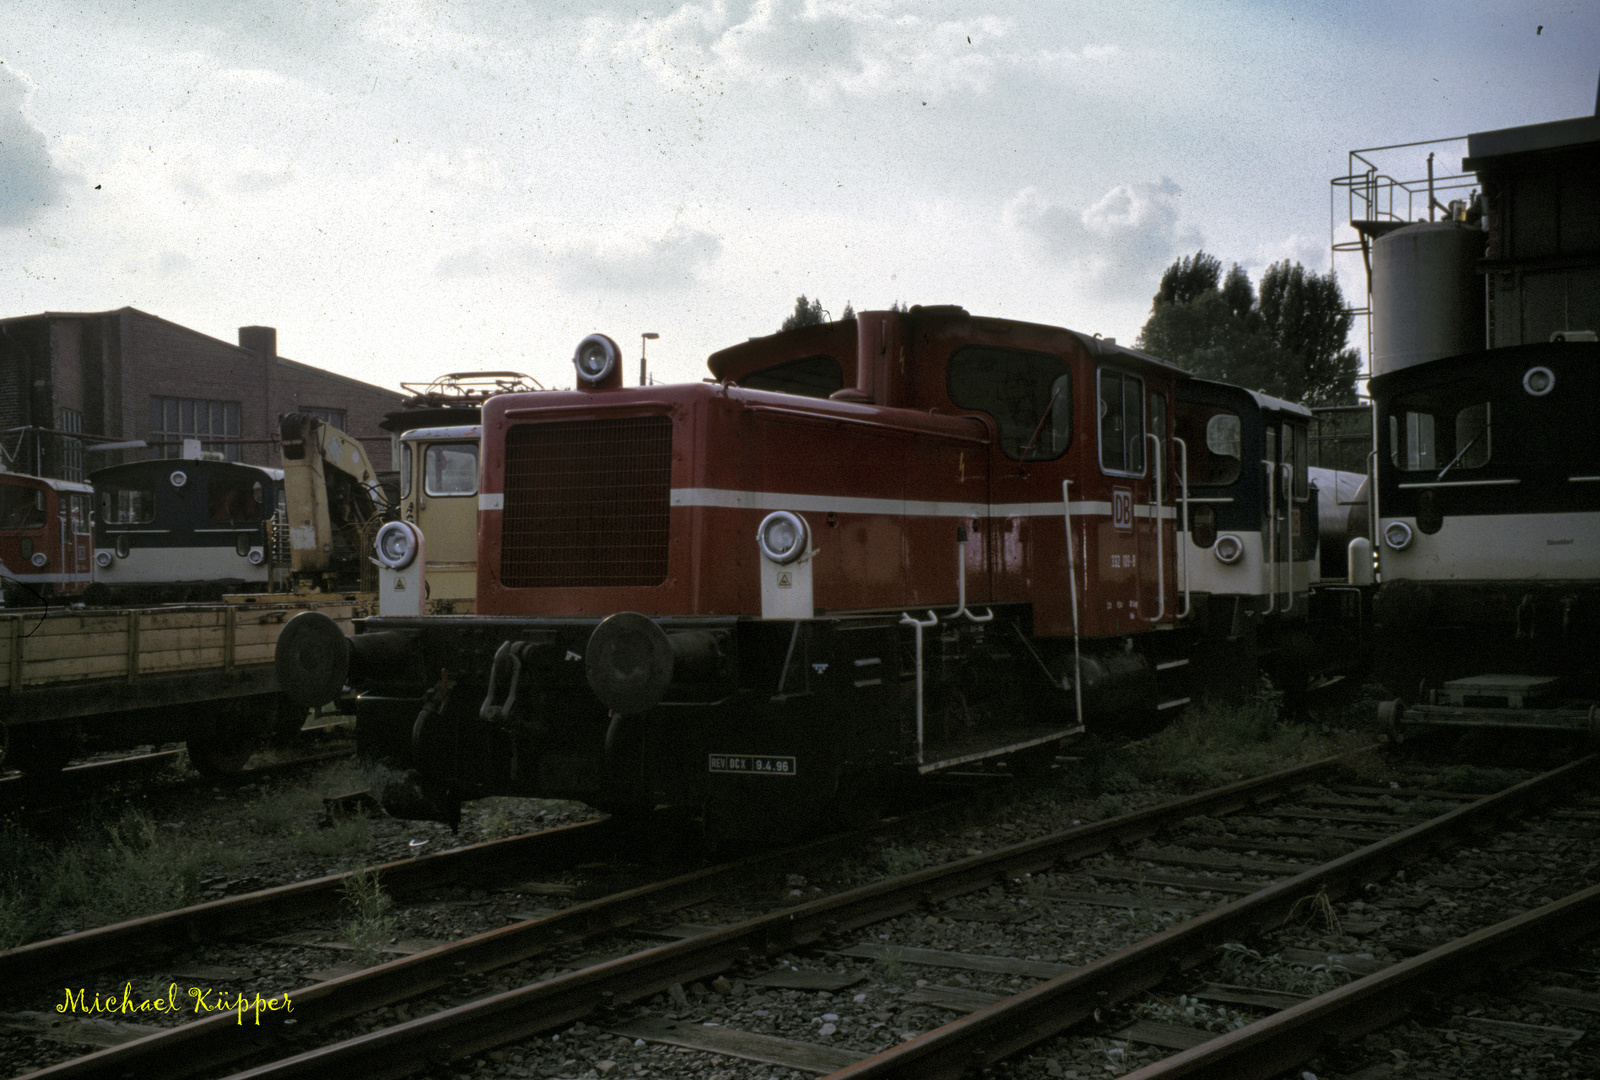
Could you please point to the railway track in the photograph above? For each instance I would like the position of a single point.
(80, 783)
(451, 975)
(470, 997)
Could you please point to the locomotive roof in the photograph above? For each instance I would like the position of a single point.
(111, 472)
(1262, 401)
(760, 352)
(457, 431)
(48, 481)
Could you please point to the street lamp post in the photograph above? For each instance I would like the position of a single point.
(643, 339)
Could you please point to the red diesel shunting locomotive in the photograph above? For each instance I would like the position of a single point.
(845, 558)
(45, 543)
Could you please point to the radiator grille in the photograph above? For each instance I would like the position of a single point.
(587, 503)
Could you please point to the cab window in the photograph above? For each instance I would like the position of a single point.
(1411, 441)
(80, 513)
(21, 507)
(1294, 456)
(450, 469)
(1473, 433)
(405, 470)
(811, 376)
(127, 504)
(1029, 394)
(1121, 423)
(1158, 428)
(1211, 436)
(231, 498)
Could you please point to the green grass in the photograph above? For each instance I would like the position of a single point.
(1213, 744)
(112, 871)
(370, 925)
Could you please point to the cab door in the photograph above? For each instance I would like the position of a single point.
(1121, 541)
(1156, 551)
(82, 541)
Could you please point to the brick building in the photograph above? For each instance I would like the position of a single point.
(126, 375)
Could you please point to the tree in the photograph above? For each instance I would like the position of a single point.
(806, 313)
(1188, 278)
(1305, 316)
(1288, 342)
(849, 312)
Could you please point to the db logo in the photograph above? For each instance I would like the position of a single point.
(1122, 508)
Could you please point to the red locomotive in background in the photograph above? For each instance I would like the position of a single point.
(845, 558)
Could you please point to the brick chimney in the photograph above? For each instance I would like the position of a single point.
(261, 340)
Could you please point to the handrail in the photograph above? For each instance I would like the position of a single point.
(1271, 546)
(908, 620)
(961, 581)
(1072, 584)
(1158, 468)
(1183, 548)
(1288, 534)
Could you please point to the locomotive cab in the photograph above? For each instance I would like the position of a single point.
(1251, 530)
(439, 494)
(44, 538)
(182, 529)
(1489, 499)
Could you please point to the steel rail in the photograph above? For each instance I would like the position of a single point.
(515, 1014)
(62, 959)
(1285, 1039)
(997, 1031)
(217, 1040)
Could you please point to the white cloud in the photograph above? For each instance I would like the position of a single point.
(827, 49)
(1119, 245)
(1311, 253)
(671, 262)
(32, 181)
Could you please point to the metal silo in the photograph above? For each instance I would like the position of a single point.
(1427, 294)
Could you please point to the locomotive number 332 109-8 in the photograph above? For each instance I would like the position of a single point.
(763, 766)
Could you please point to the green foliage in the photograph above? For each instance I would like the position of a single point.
(116, 870)
(371, 925)
(1288, 342)
(1215, 743)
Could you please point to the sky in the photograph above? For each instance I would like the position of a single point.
(405, 188)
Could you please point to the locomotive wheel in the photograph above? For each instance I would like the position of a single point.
(1391, 718)
(220, 755)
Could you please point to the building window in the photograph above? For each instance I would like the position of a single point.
(214, 423)
(331, 417)
(71, 449)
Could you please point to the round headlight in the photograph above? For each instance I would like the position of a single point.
(256, 556)
(179, 478)
(596, 358)
(1397, 534)
(39, 558)
(1538, 381)
(1228, 549)
(397, 545)
(102, 559)
(783, 536)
